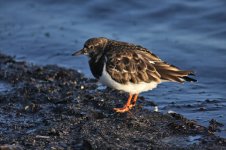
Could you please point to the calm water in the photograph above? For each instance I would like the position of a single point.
(190, 34)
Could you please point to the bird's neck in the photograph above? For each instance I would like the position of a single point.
(96, 65)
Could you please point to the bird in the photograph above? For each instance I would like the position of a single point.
(129, 67)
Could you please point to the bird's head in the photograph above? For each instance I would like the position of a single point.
(92, 47)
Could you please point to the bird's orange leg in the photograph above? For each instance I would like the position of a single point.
(126, 107)
(134, 100)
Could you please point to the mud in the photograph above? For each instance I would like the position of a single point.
(50, 107)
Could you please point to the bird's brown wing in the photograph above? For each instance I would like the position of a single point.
(137, 64)
(167, 71)
(129, 66)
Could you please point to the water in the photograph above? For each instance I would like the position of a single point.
(183, 141)
(5, 87)
(190, 34)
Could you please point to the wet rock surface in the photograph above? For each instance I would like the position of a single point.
(50, 107)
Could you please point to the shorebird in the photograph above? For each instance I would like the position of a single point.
(129, 67)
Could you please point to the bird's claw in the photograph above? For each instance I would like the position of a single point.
(124, 109)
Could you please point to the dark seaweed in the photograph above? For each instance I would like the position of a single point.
(50, 107)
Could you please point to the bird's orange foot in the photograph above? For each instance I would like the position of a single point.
(128, 105)
(131, 106)
(122, 110)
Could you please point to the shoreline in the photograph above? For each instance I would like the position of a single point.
(54, 107)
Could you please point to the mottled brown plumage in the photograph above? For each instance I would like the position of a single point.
(129, 67)
(133, 63)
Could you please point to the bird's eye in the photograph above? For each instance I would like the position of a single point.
(91, 47)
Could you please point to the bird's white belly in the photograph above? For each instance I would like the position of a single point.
(129, 87)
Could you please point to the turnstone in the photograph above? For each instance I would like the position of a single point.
(128, 67)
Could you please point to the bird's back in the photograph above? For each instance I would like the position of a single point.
(133, 63)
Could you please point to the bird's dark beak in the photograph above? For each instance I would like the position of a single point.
(80, 52)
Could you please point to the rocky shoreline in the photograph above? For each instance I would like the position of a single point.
(50, 107)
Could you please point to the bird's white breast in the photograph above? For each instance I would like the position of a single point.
(129, 87)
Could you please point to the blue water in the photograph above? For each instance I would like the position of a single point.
(187, 33)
